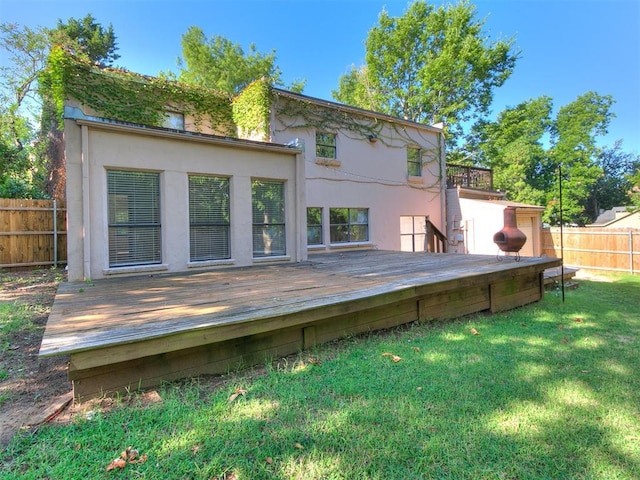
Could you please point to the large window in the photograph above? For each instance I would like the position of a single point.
(414, 162)
(268, 218)
(314, 226)
(413, 233)
(209, 218)
(134, 218)
(349, 225)
(326, 145)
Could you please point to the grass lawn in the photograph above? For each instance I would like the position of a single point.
(549, 391)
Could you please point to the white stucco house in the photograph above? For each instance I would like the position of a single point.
(319, 176)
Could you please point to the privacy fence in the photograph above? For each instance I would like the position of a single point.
(32, 233)
(616, 250)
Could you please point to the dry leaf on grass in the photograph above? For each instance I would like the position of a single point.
(474, 331)
(236, 394)
(127, 457)
(298, 446)
(395, 358)
(416, 349)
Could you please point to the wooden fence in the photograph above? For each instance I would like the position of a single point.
(616, 250)
(32, 233)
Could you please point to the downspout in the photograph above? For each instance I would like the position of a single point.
(444, 222)
(86, 213)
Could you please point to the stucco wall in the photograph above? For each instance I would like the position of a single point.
(92, 148)
(477, 221)
(371, 175)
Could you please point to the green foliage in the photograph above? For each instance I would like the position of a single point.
(252, 109)
(430, 65)
(219, 64)
(124, 96)
(87, 37)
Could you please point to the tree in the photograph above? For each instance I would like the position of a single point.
(430, 65)
(85, 38)
(614, 187)
(574, 148)
(26, 155)
(220, 64)
(513, 148)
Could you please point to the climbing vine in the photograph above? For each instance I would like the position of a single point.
(124, 96)
(252, 109)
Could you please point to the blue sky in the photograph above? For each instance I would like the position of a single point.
(569, 47)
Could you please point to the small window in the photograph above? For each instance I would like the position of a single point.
(414, 162)
(209, 218)
(173, 120)
(268, 218)
(326, 145)
(314, 226)
(349, 225)
(134, 218)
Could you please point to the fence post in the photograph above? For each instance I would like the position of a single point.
(55, 235)
(631, 251)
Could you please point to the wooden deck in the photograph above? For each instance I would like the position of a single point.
(139, 331)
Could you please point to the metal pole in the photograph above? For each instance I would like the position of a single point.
(55, 235)
(561, 232)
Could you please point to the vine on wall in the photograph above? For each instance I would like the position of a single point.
(252, 110)
(124, 96)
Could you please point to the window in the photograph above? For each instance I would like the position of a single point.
(174, 120)
(413, 233)
(314, 226)
(326, 145)
(268, 218)
(209, 218)
(349, 225)
(134, 218)
(414, 162)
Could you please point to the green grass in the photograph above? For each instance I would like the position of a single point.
(549, 391)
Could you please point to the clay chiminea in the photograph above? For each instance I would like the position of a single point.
(510, 239)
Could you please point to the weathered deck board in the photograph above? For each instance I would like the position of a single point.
(130, 324)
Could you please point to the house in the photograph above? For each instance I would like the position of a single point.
(308, 176)
(475, 212)
(618, 217)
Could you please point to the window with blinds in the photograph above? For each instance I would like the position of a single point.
(134, 218)
(267, 198)
(209, 218)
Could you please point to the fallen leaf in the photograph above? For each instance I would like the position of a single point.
(474, 331)
(269, 460)
(579, 320)
(314, 361)
(298, 446)
(236, 394)
(117, 463)
(395, 358)
(416, 349)
(139, 461)
(564, 340)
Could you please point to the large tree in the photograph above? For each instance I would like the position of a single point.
(513, 147)
(430, 65)
(222, 65)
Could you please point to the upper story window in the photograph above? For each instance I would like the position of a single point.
(414, 162)
(326, 145)
(174, 120)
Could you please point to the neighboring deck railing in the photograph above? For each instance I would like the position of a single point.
(469, 177)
